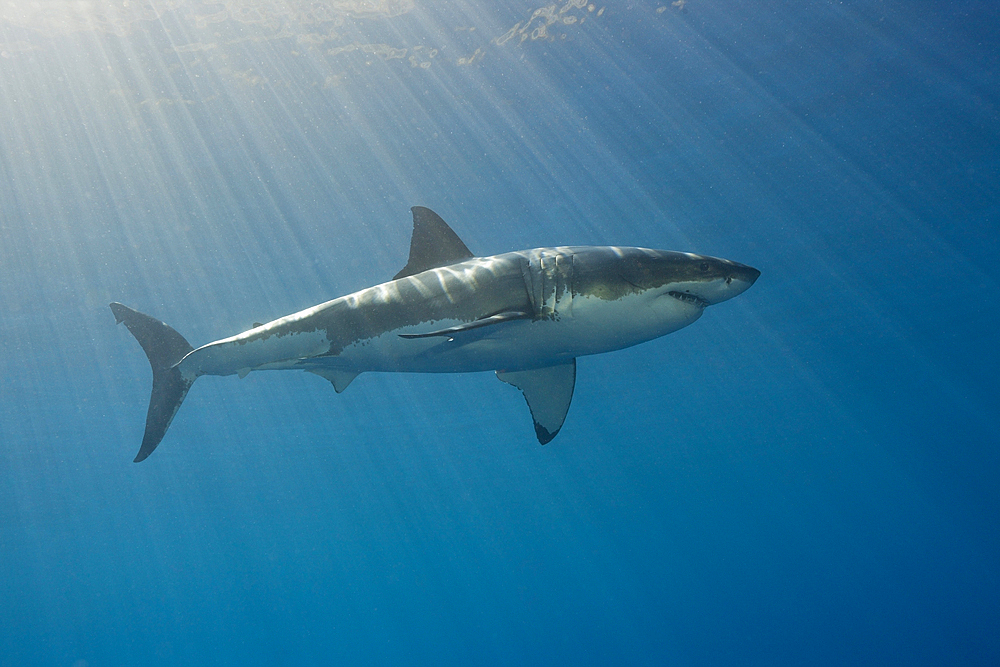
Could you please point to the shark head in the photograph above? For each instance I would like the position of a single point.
(614, 273)
(709, 280)
(624, 296)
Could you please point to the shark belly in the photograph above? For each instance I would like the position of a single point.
(582, 327)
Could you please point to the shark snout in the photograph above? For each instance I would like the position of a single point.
(739, 279)
(744, 274)
(731, 279)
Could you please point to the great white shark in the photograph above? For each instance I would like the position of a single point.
(526, 315)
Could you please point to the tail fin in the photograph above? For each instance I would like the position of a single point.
(164, 347)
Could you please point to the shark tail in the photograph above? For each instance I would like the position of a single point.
(164, 348)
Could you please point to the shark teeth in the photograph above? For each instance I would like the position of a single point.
(689, 298)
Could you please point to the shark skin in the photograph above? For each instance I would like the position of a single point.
(526, 315)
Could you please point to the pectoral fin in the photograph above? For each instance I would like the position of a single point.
(548, 392)
(339, 379)
(477, 324)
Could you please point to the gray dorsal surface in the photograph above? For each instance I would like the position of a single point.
(433, 244)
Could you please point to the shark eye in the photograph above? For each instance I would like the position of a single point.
(703, 266)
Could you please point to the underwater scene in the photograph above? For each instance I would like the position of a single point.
(635, 333)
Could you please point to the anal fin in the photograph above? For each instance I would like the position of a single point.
(548, 392)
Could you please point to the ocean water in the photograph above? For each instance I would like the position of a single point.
(807, 475)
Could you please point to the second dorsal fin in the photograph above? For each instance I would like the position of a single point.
(433, 244)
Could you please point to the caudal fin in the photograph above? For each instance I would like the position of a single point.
(164, 347)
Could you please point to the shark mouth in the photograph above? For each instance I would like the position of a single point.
(689, 298)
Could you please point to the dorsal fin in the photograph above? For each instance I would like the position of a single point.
(433, 244)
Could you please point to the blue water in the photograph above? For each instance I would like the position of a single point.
(807, 475)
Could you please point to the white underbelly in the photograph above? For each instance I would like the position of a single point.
(512, 345)
(591, 326)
